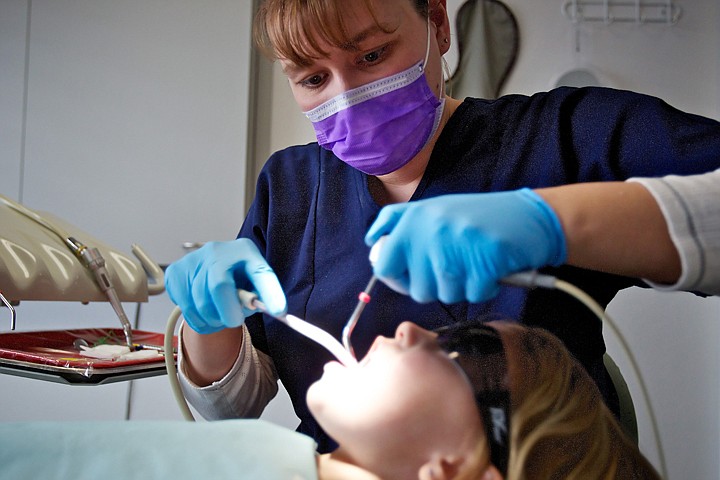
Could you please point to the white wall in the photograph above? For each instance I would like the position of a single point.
(673, 336)
(128, 119)
(139, 105)
(678, 63)
(13, 14)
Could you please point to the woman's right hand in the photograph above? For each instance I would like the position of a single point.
(204, 284)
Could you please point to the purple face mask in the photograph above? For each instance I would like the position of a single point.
(379, 127)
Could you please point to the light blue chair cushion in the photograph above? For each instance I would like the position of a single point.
(237, 449)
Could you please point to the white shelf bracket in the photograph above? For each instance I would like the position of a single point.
(611, 11)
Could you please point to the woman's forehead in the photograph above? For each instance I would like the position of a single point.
(302, 31)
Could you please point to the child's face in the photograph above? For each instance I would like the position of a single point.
(405, 397)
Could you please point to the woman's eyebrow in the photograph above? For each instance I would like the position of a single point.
(352, 44)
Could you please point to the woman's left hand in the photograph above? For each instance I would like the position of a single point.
(458, 247)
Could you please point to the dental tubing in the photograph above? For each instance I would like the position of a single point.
(170, 365)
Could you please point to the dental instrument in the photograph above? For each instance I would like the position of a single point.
(94, 261)
(363, 299)
(318, 335)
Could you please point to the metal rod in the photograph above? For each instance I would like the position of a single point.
(363, 299)
(13, 315)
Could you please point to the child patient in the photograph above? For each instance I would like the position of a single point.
(469, 401)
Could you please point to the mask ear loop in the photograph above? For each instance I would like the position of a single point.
(427, 45)
(447, 87)
(427, 57)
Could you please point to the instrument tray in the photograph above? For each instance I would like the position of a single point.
(52, 356)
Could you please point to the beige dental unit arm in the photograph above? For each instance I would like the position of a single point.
(45, 258)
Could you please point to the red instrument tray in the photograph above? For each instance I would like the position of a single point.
(52, 354)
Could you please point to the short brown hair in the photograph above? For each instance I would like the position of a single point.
(293, 29)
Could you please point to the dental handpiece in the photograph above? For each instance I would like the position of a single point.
(93, 261)
(318, 335)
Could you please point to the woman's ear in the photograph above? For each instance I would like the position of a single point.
(439, 17)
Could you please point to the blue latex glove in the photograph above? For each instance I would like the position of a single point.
(204, 284)
(458, 247)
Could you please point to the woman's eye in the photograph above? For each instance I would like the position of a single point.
(313, 81)
(371, 57)
(374, 56)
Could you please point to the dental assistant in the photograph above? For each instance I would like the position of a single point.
(368, 75)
